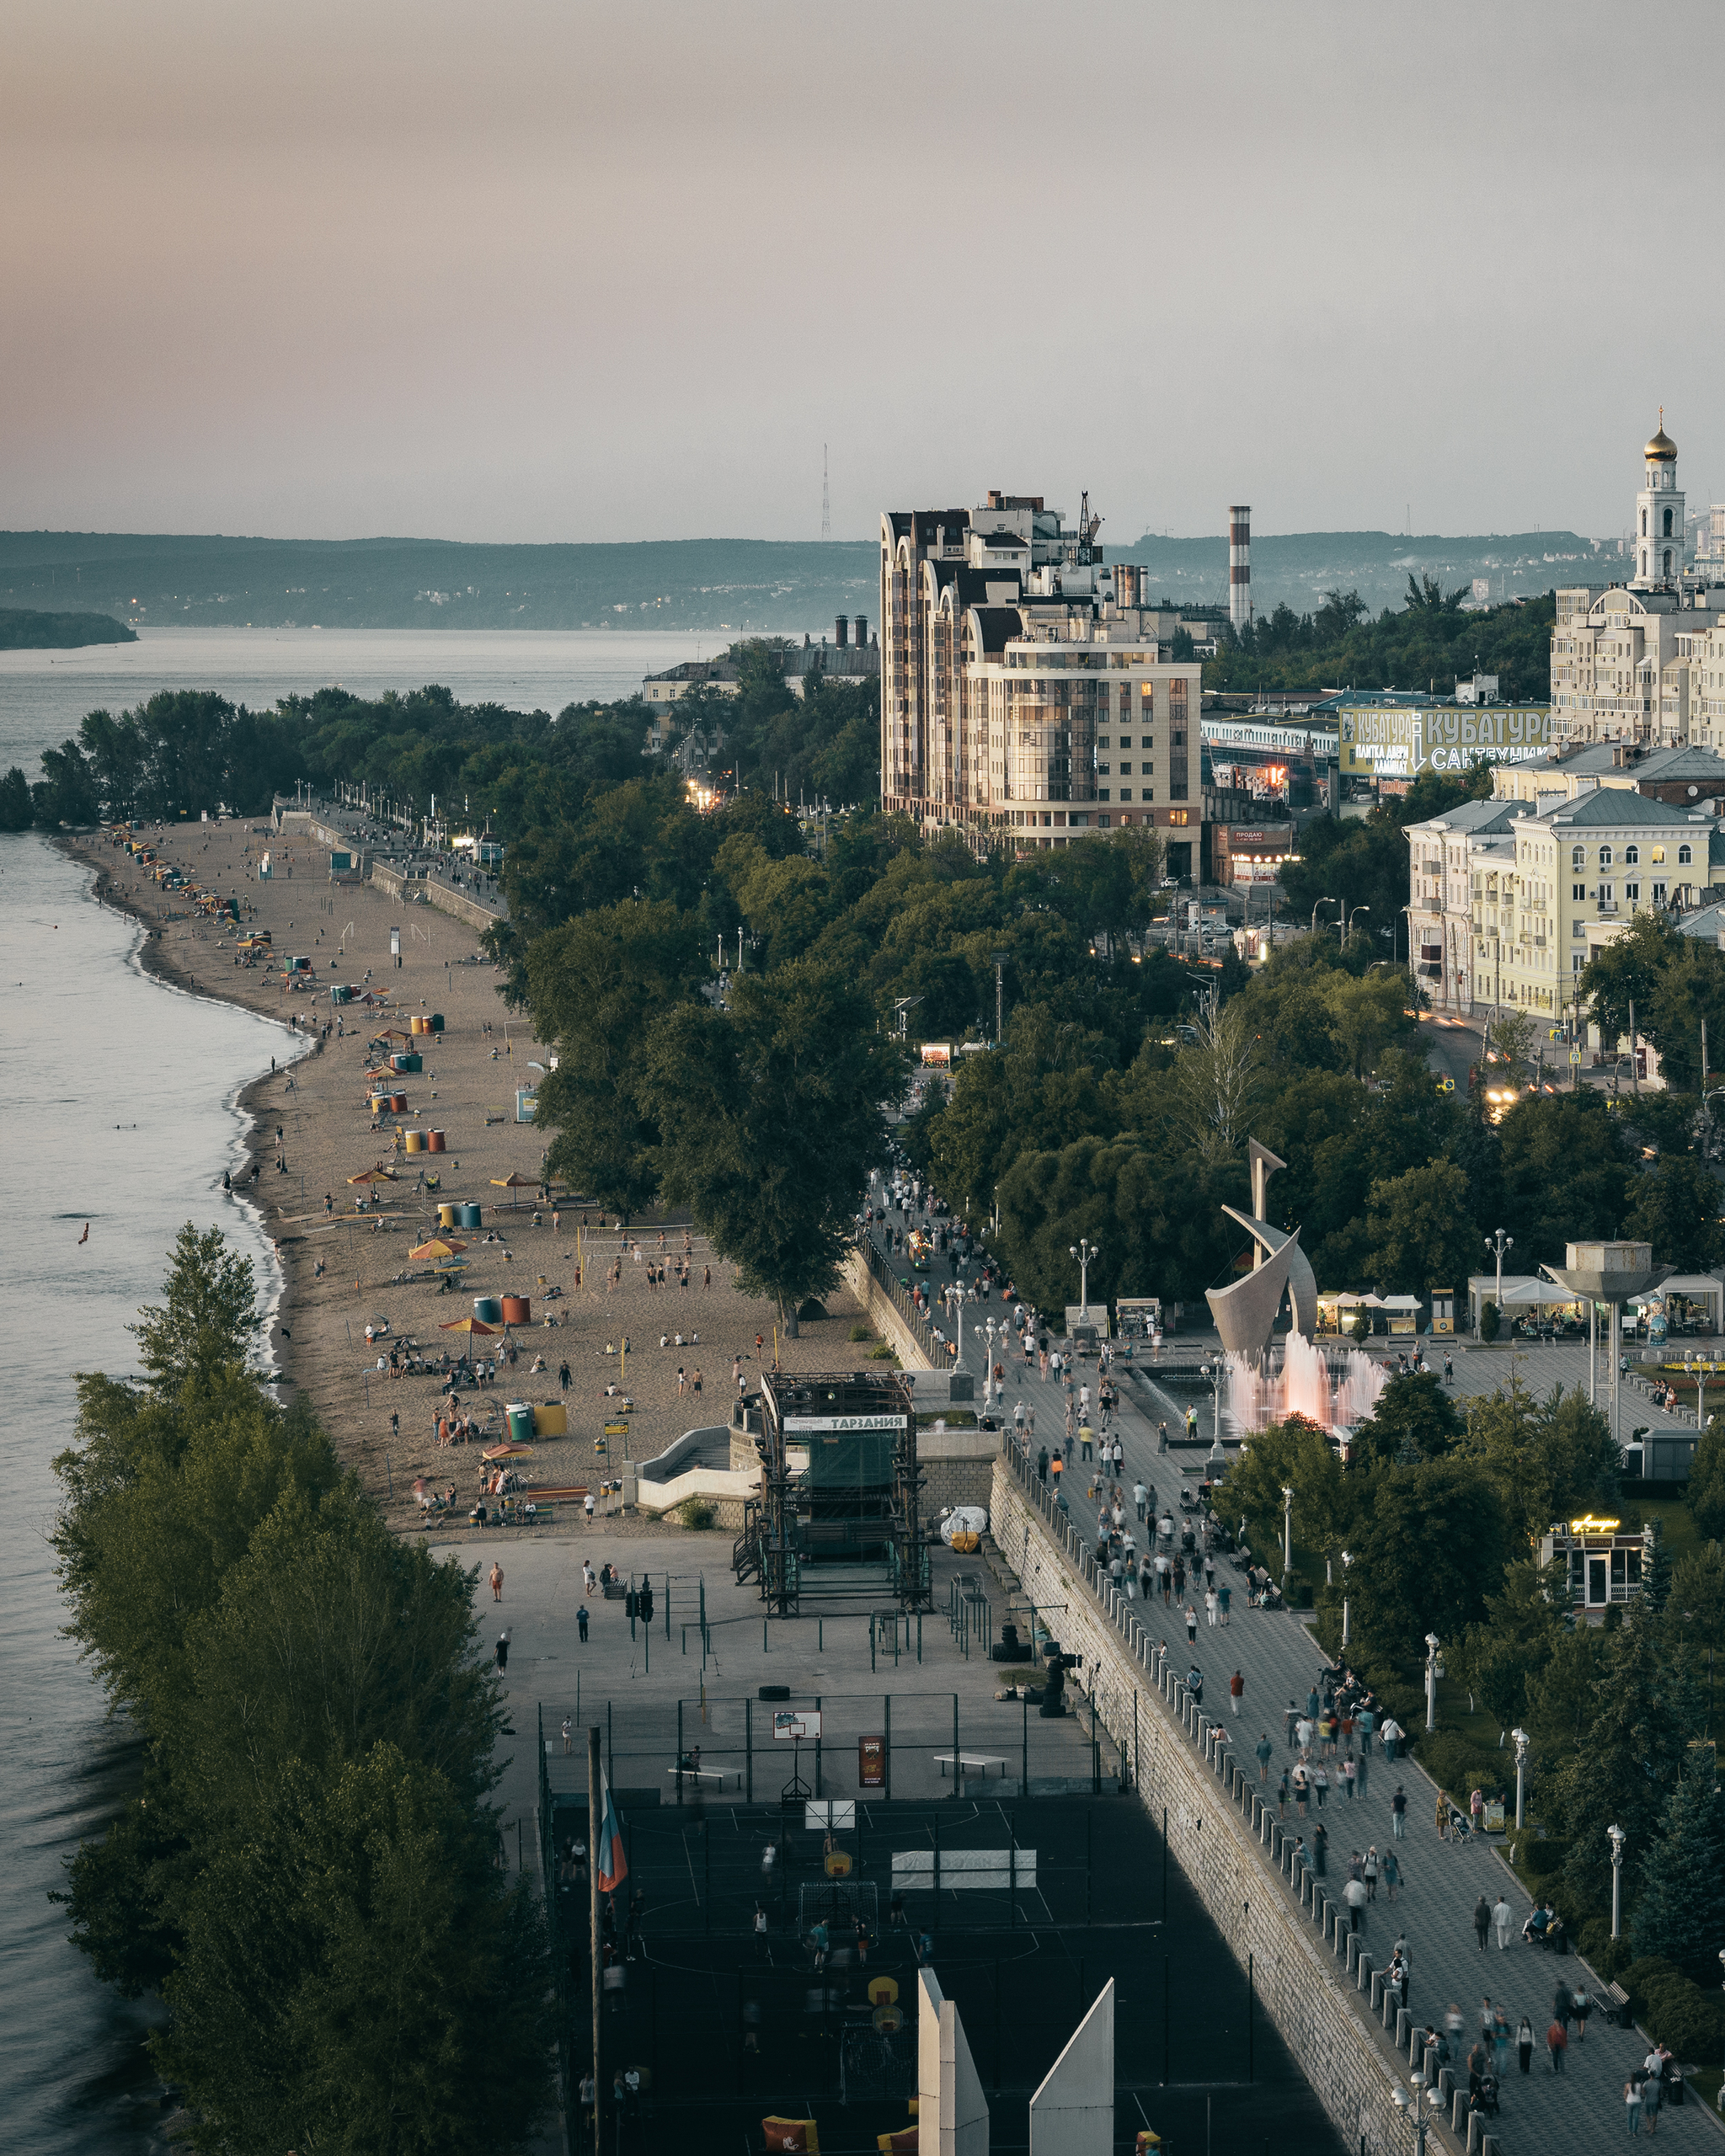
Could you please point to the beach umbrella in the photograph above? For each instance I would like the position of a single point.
(471, 1325)
(439, 1246)
(513, 1181)
(507, 1450)
(377, 1174)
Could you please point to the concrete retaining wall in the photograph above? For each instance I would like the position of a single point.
(392, 881)
(958, 1467)
(1219, 1835)
(879, 1308)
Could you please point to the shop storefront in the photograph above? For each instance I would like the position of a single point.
(1604, 1561)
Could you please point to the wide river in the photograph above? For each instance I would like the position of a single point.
(118, 1099)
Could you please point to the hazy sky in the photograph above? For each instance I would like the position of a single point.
(531, 271)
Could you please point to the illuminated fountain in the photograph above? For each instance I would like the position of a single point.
(1335, 1387)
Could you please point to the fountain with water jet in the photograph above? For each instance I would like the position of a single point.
(1335, 1387)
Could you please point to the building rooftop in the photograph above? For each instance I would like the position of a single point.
(1619, 805)
(1478, 819)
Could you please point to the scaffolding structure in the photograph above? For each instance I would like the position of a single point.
(839, 1512)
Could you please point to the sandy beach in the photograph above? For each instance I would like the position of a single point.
(345, 1265)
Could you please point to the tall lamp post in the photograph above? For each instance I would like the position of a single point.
(1498, 1243)
(1617, 1837)
(1322, 902)
(1346, 924)
(1431, 1680)
(1084, 1252)
(1287, 1535)
(1347, 1560)
(1521, 1741)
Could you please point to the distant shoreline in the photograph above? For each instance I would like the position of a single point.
(25, 628)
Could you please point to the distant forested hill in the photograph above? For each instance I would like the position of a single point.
(23, 629)
(742, 587)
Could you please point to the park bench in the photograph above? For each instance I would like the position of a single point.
(1616, 2004)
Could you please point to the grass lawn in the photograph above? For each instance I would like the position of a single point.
(1677, 1526)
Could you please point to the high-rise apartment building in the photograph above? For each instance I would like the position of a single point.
(1027, 700)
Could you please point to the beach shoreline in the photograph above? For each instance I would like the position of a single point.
(342, 1250)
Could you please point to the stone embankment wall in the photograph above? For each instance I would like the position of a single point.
(1310, 1978)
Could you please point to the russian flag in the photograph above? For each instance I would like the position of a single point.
(613, 1865)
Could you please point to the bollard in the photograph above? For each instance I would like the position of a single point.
(1401, 2028)
(1458, 2113)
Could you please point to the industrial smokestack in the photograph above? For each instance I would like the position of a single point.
(862, 632)
(1128, 584)
(842, 630)
(1239, 565)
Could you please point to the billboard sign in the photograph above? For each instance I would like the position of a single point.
(1401, 740)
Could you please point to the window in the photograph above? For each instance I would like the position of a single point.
(1659, 853)
(1684, 856)
(1125, 772)
(1578, 928)
(1668, 524)
(1145, 742)
(1631, 854)
(1578, 856)
(1575, 962)
(1606, 898)
(1659, 895)
(1605, 856)
(1101, 794)
(1102, 741)
(1102, 771)
(1632, 892)
(1577, 890)
(1178, 816)
(1126, 793)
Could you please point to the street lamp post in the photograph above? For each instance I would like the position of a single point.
(1617, 1838)
(1347, 1560)
(1431, 1680)
(1322, 902)
(1347, 924)
(1498, 1244)
(1521, 1741)
(1420, 2105)
(1084, 1252)
(1287, 1535)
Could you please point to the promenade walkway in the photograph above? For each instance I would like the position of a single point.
(1543, 2114)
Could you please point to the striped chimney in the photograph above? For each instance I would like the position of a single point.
(1239, 565)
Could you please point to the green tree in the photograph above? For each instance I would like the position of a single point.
(771, 1118)
(1291, 1454)
(1515, 1640)
(1629, 968)
(210, 1318)
(1697, 1597)
(1704, 1493)
(1429, 1548)
(595, 985)
(1218, 1082)
(1368, 1015)
(17, 812)
(1680, 1911)
(1676, 1207)
(1415, 1419)
(359, 1977)
(1545, 1460)
(1565, 1175)
(1422, 1234)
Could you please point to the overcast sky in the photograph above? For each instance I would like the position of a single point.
(556, 271)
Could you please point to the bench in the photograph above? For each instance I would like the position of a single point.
(1616, 2001)
(969, 1764)
(699, 1775)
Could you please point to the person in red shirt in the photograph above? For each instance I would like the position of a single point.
(1236, 1690)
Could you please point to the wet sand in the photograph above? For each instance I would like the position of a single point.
(345, 1266)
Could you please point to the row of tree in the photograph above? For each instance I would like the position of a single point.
(1428, 640)
(309, 1874)
(186, 750)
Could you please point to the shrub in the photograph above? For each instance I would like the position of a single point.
(696, 1513)
(1455, 1764)
(882, 1353)
(861, 1332)
(1681, 2014)
(1489, 1320)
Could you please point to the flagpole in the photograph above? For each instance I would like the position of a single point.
(595, 1828)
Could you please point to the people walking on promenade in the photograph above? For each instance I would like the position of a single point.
(1481, 1920)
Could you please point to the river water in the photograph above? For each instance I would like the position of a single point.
(118, 1104)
